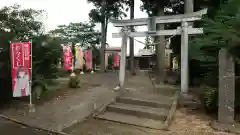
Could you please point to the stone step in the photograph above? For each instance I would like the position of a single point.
(132, 120)
(149, 94)
(166, 103)
(139, 111)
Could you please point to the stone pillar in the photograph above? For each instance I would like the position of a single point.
(122, 70)
(60, 63)
(226, 101)
(175, 64)
(168, 58)
(184, 58)
(226, 94)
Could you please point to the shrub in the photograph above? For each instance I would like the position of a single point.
(210, 99)
(74, 81)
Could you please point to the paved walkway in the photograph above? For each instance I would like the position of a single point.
(144, 83)
(65, 112)
(10, 128)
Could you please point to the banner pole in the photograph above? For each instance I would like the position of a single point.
(92, 61)
(31, 107)
(73, 62)
(81, 58)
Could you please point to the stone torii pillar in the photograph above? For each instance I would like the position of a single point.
(184, 58)
(123, 57)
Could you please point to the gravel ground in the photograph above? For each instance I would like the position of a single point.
(184, 123)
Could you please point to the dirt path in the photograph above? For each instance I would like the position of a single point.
(185, 123)
(188, 122)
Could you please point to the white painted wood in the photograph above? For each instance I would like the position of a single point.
(184, 58)
(163, 19)
(159, 33)
(122, 70)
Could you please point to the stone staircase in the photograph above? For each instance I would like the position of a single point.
(144, 109)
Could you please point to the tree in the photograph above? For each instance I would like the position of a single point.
(20, 25)
(83, 33)
(105, 9)
(131, 40)
(148, 43)
(221, 30)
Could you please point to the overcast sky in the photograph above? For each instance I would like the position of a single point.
(66, 11)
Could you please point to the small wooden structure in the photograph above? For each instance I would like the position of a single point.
(143, 59)
(111, 50)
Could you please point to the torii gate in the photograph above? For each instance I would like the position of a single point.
(151, 22)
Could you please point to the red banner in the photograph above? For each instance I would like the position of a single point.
(115, 60)
(67, 56)
(88, 59)
(21, 68)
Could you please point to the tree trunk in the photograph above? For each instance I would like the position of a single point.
(103, 46)
(131, 43)
(189, 8)
(106, 27)
(160, 51)
(103, 38)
